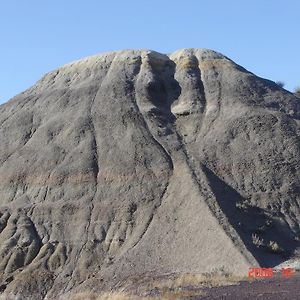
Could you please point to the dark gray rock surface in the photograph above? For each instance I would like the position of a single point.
(134, 161)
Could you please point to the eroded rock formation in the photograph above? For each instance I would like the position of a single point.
(134, 161)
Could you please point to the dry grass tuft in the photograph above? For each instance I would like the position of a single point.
(165, 294)
(120, 296)
(257, 241)
(105, 296)
(297, 91)
(274, 247)
(209, 279)
(166, 287)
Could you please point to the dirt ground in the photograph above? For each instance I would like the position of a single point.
(269, 289)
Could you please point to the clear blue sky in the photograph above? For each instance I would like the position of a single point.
(39, 36)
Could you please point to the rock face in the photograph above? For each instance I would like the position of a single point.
(134, 162)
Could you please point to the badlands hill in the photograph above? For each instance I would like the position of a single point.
(136, 162)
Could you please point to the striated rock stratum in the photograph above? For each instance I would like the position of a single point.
(135, 162)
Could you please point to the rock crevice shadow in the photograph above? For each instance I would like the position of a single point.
(255, 226)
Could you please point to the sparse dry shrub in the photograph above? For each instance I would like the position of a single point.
(182, 286)
(280, 83)
(257, 241)
(218, 277)
(274, 247)
(268, 223)
(84, 296)
(120, 296)
(297, 91)
(105, 296)
(241, 206)
(179, 293)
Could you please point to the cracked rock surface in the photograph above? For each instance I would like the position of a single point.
(134, 161)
